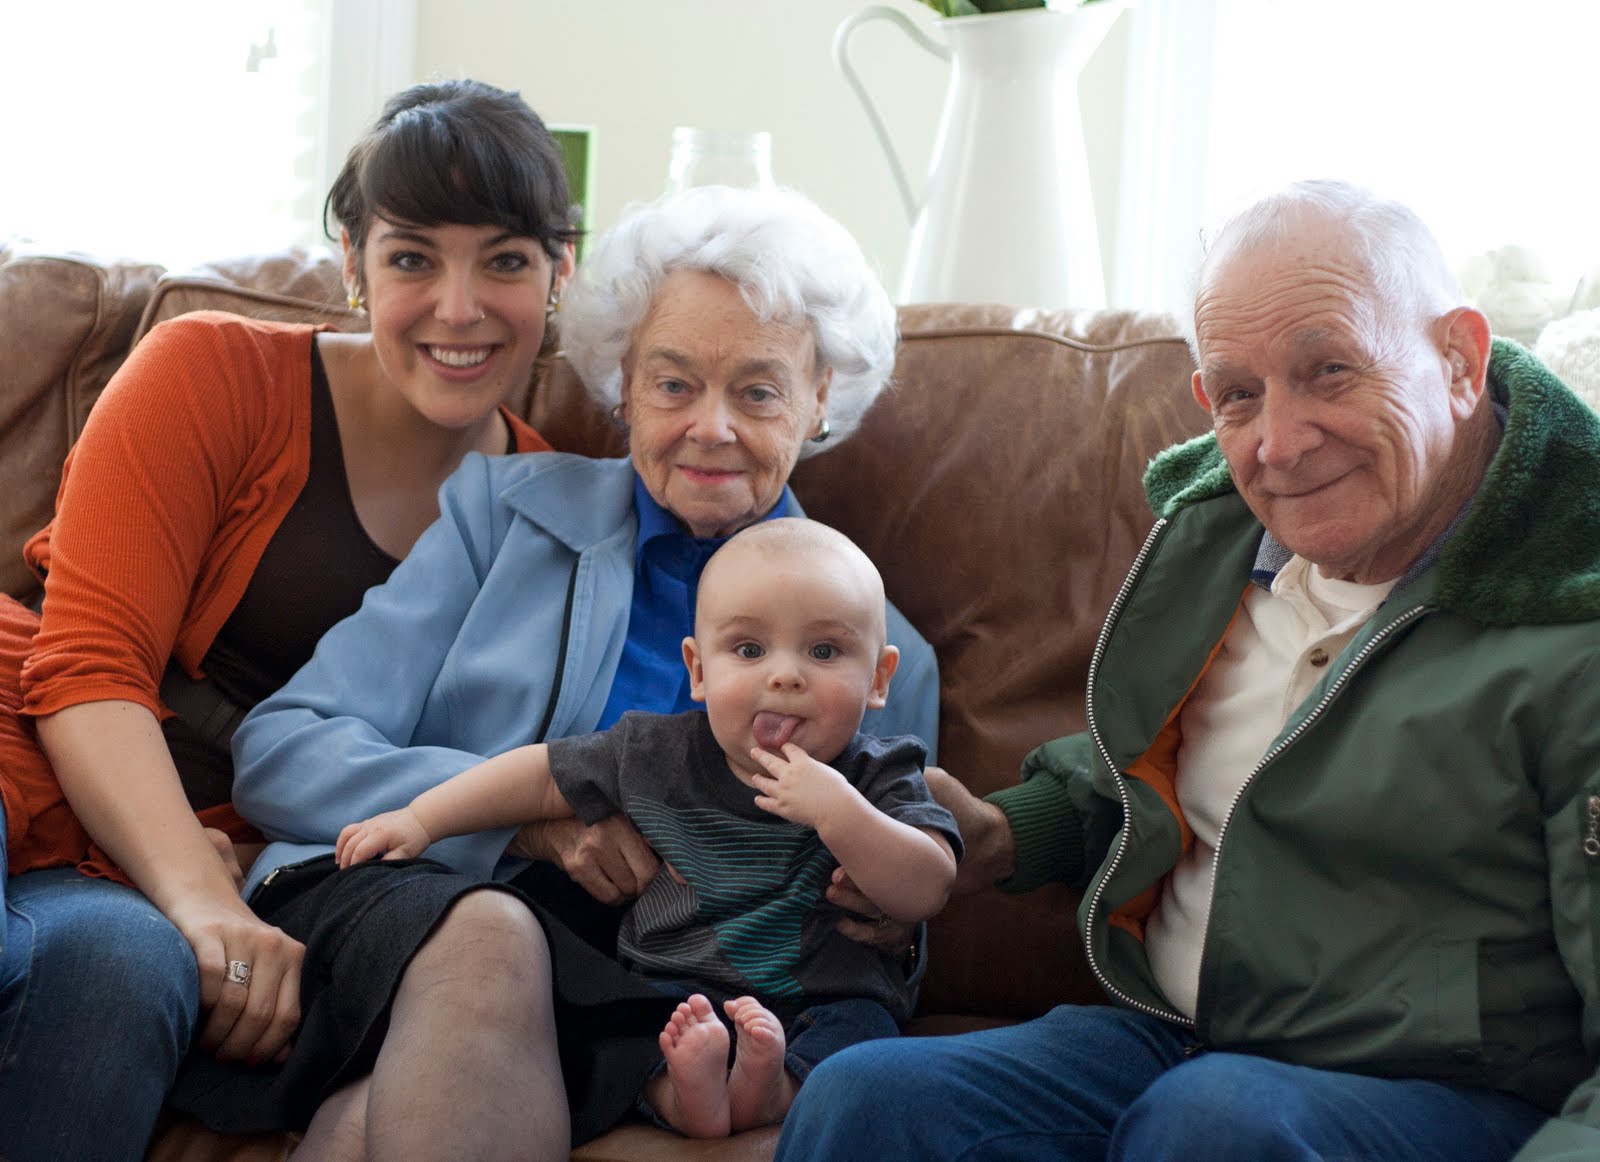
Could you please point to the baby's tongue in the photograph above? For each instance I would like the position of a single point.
(772, 730)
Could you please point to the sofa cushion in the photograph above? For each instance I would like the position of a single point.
(66, 323)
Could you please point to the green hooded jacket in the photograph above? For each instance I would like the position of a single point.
(1407, 884)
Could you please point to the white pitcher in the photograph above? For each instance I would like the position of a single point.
(1007, 215)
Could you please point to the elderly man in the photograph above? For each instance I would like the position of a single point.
(1337, 813)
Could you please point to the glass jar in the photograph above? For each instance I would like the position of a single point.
(719, 157)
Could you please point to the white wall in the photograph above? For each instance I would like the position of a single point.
(635, 69)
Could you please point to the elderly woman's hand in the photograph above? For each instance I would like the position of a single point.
(878, 930)
(865, 922)
(611, 861)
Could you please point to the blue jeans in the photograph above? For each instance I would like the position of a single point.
(820, 1031)
(1103, 1083)
(99, 996)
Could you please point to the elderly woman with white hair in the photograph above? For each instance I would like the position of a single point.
(731, 332)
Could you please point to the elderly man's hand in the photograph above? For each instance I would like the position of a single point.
(611, 861)
(991, 854)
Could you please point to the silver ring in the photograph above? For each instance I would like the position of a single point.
(238, 973)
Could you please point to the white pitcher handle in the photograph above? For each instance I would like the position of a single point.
(841, 60)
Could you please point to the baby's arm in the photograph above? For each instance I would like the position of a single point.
(506, 791)
(907, 871)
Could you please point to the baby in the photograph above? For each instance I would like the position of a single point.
(788, 653)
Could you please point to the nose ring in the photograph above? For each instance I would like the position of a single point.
(482, 315)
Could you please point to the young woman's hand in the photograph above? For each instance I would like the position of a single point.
(249, 978)
(115, 768)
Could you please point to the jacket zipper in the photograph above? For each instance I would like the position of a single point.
(1120, 780)
(1300, 728)
(295, 865)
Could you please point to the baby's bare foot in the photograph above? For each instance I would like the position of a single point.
(693, 1093)
(760, 1090)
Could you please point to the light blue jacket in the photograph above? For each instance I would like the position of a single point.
(457, 657)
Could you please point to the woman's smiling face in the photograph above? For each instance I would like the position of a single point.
(458, 313)
(719, 403)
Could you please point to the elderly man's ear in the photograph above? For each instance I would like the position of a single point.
(1466, 342)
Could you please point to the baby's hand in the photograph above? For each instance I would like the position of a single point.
(393, 835)
(796, 786)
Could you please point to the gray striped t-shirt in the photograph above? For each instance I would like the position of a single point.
(751, 916)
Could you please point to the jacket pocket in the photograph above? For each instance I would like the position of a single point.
(1531, 1016)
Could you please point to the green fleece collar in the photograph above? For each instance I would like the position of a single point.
(1529, 551)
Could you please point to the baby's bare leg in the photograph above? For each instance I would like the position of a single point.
(692, 1095)
(760, 1090)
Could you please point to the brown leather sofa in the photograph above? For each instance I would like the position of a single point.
(996, 484)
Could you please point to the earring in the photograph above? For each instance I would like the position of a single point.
(552, 306)
(354, 301)
(823, 432)
(617, 419)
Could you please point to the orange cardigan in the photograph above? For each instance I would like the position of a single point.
(187, 465)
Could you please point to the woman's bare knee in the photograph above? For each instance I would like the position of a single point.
(486, 932)
(480, 985)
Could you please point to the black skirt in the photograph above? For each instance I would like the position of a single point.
(361, 927)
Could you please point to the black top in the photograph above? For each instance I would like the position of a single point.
(312, 574)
